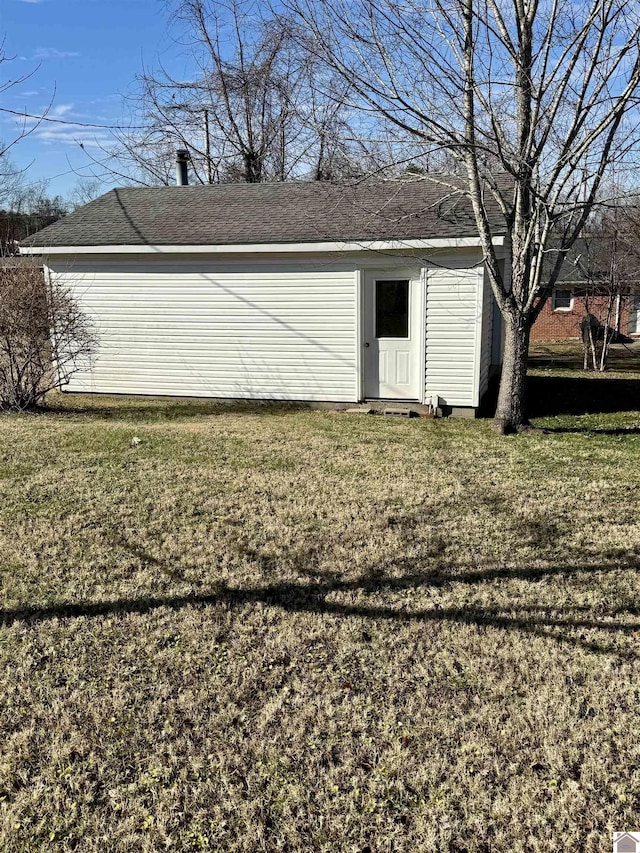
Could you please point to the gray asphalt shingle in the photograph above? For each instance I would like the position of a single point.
(267, 213)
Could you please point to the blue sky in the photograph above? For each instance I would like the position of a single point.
(87, 53)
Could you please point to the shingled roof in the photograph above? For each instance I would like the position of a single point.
(268, 213)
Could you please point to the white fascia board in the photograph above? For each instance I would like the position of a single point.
(264, 248)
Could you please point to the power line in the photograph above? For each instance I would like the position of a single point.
(73, 123)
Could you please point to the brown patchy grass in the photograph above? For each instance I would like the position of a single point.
(276, 629)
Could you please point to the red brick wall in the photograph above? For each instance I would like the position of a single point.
(560, 325)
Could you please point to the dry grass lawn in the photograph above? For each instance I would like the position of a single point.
(278, 629)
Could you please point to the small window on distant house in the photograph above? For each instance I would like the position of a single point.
(562, 299)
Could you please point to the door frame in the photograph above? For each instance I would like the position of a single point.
(417, 275)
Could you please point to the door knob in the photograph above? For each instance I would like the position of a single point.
(366, 343)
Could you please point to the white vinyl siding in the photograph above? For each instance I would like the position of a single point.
(259, 329)
(453, 328)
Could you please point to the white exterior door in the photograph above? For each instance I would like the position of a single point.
(392, 337)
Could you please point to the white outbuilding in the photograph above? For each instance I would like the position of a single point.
(290, 291)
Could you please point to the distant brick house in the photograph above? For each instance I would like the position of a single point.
(576, 295)
(560, 318)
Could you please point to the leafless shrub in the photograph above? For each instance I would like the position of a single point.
(45, 337)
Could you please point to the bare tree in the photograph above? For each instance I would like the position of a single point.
(253, 107)
(235, 114)
(608, 260)
(16, 196)
(23, 125)
(45, 337)
(12, 181)
(26, 207)
(86, 189)
(539, 91)
(335, 150)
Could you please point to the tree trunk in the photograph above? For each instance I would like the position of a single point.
(608, 334)
(592, 344)
(618, 316)
(510, 414)
(252, 167)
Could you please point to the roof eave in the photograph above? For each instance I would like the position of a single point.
(264, 248)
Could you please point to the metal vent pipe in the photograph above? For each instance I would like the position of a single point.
(182, 174)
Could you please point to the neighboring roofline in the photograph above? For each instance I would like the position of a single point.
(237, 248)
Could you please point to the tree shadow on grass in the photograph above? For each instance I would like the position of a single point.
(593, 431)
(568, 395)
(565, 624)
(578, 394)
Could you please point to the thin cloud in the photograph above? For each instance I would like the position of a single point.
(65, 136)
(54, 53)
(60, 110)
(32, 2)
